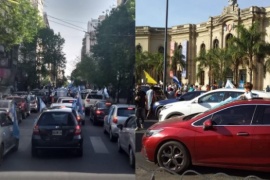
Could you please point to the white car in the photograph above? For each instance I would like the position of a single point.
(203, 102)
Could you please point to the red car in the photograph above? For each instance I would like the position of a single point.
(233, 135)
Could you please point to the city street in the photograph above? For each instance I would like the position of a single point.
(145, 170)
(100, 161)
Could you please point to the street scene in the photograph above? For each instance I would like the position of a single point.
(100, 158)
(201, 94)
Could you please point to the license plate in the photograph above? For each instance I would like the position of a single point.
(57, 132)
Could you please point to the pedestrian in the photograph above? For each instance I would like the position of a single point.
(178, 93)
(150, 98)
(141, 104)
(248, 94)
(171, 94)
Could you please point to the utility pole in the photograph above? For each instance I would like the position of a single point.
(165, 49)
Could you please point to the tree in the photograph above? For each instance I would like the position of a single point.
(18, 22)
(252, 46)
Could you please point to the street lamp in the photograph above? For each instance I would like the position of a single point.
(165, 49)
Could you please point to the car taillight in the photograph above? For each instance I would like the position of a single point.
(115, 120)
(78, 118)
(88, 100)
(36, 130)
(77, 130)
(99, 112)
(130, 108)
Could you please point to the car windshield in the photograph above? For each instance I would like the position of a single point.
(190, 116)
(125, 111)
(94, 96)
(56, 119)
(222, 103)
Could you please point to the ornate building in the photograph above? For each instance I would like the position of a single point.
(215, 32)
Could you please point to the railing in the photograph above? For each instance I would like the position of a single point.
(199, 175)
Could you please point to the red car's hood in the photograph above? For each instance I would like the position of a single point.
(169, 123)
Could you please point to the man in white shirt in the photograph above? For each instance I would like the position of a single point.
(150, 96)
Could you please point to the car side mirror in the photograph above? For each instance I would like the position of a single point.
(208, 125)
(120, 126)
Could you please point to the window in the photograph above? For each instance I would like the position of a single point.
(125, 111)
(131, 123)
(232, 94)
(56, 119)
(216, 44)
(263, 115)
(201, 121)
(237, 115)
(139, 48)
(212, 98)
(161, 49)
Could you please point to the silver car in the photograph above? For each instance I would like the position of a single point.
(8, 141)
(118, 114)
(126, 138)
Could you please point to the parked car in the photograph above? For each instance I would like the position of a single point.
(203, 102)
(57, 129)
(90, 100)
(126, 139)
(7, 105)
(158, 92)
(8, 141)
(22, 105)
(118, 114)
(79, 116)
(157, 106)
(231, 135)
(34, 103)
(99, 110)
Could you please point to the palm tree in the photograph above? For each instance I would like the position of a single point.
(156, 64)
(177, 59)
(250, 43)
(141, 64)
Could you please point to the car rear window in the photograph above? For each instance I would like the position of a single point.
(68, 100)
(83, 95)
(105, 105)
(125, 111)
(3, 104)
(94, 96)
(56, 119)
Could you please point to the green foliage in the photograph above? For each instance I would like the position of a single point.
(18, 22)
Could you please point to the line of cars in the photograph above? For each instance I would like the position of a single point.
(214, 129)
(118, 121)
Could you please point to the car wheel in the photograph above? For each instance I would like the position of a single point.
(119, 148)
(112, 138)
(23, 115)
(131, 158)
(1, 154)
(80, 152)
(34, 152)
(16, 147)
(173, 156)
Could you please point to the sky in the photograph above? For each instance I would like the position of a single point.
(78, 13)
(152, 12)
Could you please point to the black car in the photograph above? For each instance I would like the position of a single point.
(57, 129)
(99, 110)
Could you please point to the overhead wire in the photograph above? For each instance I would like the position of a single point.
(65, 22)
(67, 26)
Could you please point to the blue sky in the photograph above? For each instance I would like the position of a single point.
(76, 12)
(152, 12)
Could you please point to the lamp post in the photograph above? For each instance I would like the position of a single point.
(165, 49)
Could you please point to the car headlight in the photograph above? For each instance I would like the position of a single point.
(152, 132)
(166, 106)
(156, 103)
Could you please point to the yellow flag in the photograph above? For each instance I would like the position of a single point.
(149, 79)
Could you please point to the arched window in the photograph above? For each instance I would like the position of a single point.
(139, 48)
(216, 44)
(228, 37)
(161, 49)
(202, 48)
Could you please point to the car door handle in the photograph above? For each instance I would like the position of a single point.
(242, 134)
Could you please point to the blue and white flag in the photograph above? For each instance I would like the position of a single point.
(79, 103)
(42, 105)
(175, 80)
(16, 129)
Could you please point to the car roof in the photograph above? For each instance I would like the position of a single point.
(124, 105)
(59, 110)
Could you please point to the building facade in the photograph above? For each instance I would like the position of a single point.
(215, 32)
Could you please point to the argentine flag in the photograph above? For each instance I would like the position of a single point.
(16, 129)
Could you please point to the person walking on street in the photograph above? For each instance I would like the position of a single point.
(150, 97)
(141, 104)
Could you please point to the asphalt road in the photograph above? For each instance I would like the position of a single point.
(100, 161)
(146, 170)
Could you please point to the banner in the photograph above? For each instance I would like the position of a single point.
(149, 79)
(184, 53)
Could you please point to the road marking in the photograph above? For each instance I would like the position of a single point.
(98, 145)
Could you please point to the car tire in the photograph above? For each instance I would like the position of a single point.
(34, 152)
(119, 148)
(178, 148)
(16, 147)
(112, 138)
(80, 152)
(131, 158)
(1, 154)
